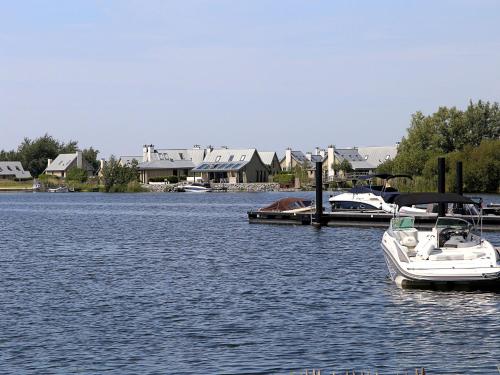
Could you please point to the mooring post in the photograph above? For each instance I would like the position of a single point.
(441, 184)
(319, 194)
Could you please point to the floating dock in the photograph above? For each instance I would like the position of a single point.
(366, 219)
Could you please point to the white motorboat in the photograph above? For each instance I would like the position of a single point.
(60, 189)
(196, 187)
(372, 197)
(453, 253)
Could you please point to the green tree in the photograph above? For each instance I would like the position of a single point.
(116, 177)
(90, 156)
(345, 166)
(77, 175)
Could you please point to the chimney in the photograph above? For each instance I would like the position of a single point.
(288, 159)
(197, 147)
(308, 156)
(145, 153)
(208, 150)
(150, 152)
(79, 159)
(331, 160)
(322, 153)
(49, 162)
(101, 164)
(316, 151)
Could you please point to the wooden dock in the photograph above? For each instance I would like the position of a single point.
(366, 219)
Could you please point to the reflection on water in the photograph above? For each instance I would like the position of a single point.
(181, 283)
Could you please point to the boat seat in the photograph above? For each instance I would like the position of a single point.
(447, 257)
(424, 248)
(409, 241)
(408, 237)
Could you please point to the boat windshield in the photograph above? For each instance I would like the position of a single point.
(452, 222)
(402, 223)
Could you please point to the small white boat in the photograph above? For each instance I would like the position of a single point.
(60, 189)
(196, 187)
(453, 253)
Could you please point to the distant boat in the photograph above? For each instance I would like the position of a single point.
(196, 188)
(60, 189)
(37, 186)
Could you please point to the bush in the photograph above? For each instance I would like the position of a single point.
(284, 178)
(172, 179)
(77, 175)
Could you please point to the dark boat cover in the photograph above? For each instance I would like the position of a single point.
(286, 204)
(425, 198)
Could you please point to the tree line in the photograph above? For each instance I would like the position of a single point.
(471, 136)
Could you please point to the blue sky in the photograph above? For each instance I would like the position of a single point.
(256, 73)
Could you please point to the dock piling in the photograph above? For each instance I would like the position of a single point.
(319, 195)
(441, 184)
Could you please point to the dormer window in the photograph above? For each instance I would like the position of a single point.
(231, 158)
(242, 157)
(217, 159)
(9, 168)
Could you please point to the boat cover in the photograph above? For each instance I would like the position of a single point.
(424, 198)
(286, 204)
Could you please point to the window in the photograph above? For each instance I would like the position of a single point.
(231, 158)
(181, 155)
(242, 157)
(9, 168)
(387, 157)
(17, 168)
(217, 159)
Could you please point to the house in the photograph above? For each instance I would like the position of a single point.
(270, 159)
(167, 162)
(13, 170)
(294, 159)
(232, 166)
(364, 160)
(64, 162)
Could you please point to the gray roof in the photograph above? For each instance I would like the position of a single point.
(267, 157)
(127, 160)
(353, 156)
(227, 155)
(193, 154)
(167, 164)
(377, 155)
(13, 168)
(61, 163)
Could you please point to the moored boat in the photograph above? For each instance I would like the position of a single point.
(196, 187)
(452, 254)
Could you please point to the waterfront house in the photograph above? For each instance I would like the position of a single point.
(232, 166)
(363, 160)
(13, 170)
(168, 162)
(270, 159)
(60, 166)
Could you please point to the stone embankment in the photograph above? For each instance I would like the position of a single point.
(251, 188)
(248, 187)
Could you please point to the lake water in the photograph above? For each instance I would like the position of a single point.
(182, 284)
